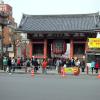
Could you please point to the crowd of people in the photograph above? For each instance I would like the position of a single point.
(69, 63)
(10, 64)
(95, 65)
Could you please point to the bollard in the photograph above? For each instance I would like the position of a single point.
(25, 69)
(98, 76)
(87, 70)
(62, 72)
(32, 72)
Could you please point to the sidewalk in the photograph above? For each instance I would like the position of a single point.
(29, 71)
(52, 72)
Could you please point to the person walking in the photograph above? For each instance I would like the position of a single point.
(18, 62)
(97, 66)
(82, 64)
(9, 64)
(28, 64)
(58, 61)
(5, 63)
(35, 65)
(92, 65)
(72, 62)
(13, 64)
(44, 66)
(77, 63)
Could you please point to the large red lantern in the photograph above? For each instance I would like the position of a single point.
(59, 46)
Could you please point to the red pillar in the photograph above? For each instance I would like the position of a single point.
(71, 48)
(30, 45)
(45, 48)
(86, 45)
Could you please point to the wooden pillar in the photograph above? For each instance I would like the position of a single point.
(30, 45)
(45, 48)
(86, 45)
(71, 48)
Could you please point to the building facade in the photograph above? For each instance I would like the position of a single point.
(59, 35)
(7, 33)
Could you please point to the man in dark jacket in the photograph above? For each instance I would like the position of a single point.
(83, 65)
(35, 64)
(9, 64)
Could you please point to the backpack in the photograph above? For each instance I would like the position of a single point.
(13, 61)
(28, 63)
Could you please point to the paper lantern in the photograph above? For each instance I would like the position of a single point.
(59, 46)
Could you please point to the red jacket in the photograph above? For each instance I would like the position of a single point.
(97, 65)
(44, 64)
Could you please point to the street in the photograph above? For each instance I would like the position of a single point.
(48, 87)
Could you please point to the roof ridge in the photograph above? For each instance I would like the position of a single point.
(62, 15)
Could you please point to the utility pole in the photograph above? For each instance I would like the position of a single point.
(2, 28)
(2, 46)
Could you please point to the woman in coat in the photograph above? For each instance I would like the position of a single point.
(97, 66)
(44, 66)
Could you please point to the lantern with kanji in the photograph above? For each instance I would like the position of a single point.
(59, 46)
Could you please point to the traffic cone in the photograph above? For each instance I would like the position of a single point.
(62, 72)
(32, 72)
(98, 75)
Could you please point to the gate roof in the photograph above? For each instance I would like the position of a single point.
(59, 23)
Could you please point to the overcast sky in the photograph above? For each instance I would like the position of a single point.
(42, 7)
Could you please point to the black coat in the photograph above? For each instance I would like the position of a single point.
(9, 62)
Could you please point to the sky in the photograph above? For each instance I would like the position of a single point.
(44, 7)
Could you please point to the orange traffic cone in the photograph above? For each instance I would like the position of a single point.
(98, 75)
(62, 72)
(32, 72)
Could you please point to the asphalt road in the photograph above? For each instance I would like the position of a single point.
(48, 87)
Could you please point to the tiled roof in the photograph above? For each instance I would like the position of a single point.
(54, 23)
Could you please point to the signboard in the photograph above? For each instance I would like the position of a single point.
(94, 43)
(11, 55)
(73, 70)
